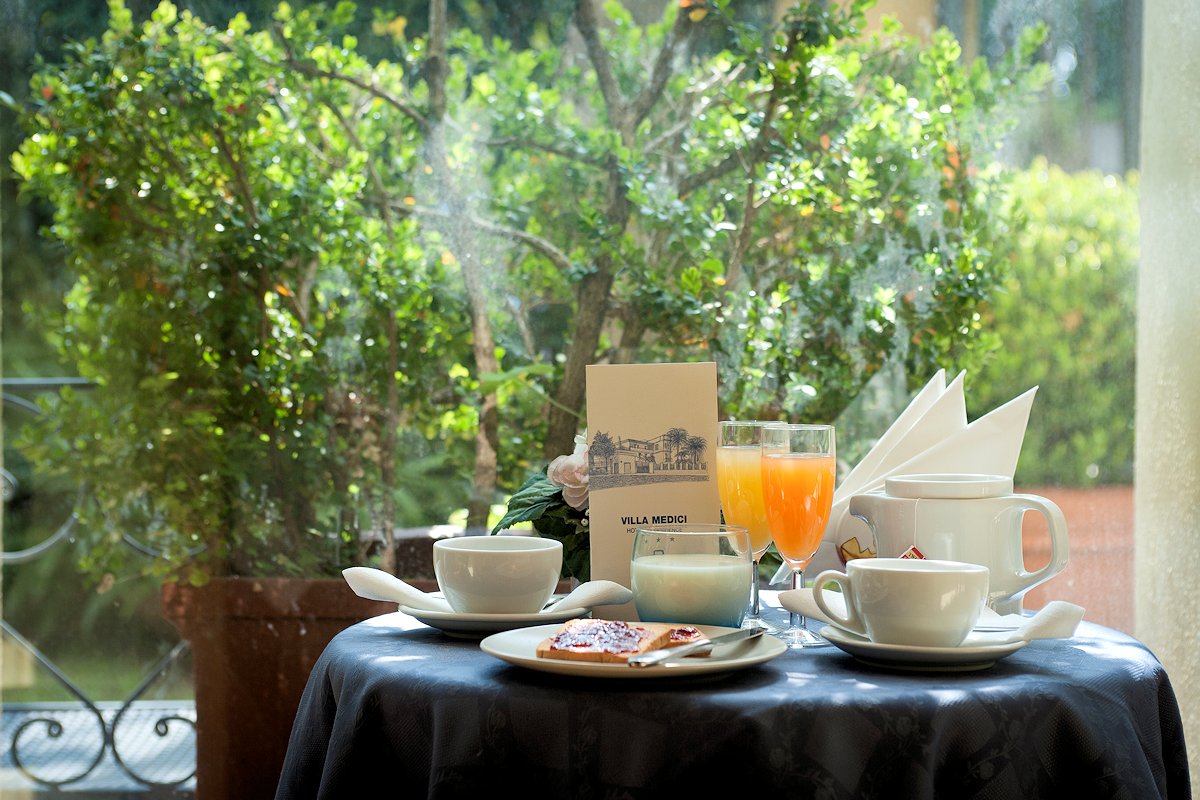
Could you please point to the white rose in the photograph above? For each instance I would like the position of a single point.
(571, 473)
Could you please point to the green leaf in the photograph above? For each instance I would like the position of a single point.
(535, 497)
(577, 557)
(689, 280)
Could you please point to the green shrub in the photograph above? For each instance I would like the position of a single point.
(252, 333)
(1066, 321)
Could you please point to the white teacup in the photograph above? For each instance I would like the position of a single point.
(497, 574)
(906, 601)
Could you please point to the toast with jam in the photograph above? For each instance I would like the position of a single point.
(612, 641)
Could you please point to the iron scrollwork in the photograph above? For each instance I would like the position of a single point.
(52, 729)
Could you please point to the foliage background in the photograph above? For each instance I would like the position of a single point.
(1065, 319)
(290, 253)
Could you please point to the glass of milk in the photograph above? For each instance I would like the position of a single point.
(691, 573)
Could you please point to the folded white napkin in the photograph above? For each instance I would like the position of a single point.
(593, 593)
(1057, 620)
(375, 584)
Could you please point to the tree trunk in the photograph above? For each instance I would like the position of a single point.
(593, 297)
(465, 248)
(594, 293)
(631, 338)
(387, 471)
(566, 410)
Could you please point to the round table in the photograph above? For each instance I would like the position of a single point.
(394, 705)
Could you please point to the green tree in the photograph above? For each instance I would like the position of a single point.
(801, 207)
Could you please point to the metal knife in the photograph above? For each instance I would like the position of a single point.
(672, 653)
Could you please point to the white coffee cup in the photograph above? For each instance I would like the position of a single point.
(497, 574)
(904, 601)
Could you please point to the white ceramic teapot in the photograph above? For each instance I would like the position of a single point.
(960, 517)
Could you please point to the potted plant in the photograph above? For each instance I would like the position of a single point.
(256, 342)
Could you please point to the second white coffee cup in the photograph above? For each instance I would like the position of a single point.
(915, 602)
(497, 574)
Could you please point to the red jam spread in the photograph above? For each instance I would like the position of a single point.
(600, 636)
(684, 633)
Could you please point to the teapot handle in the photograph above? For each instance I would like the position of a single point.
(1057, 525)
(875, 549)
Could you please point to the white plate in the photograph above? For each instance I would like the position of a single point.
(926, 659)
(476, 625)
(520, 647)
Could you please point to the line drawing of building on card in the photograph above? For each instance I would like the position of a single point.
(675, 455)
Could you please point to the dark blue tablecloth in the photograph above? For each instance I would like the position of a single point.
(397, 709)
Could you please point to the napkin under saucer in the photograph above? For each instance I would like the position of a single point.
(375, 584)
(963, 658)
(995, 636)
(1057, 620)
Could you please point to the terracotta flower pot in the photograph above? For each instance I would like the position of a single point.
(254, 642)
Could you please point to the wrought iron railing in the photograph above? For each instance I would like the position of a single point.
(40, 744)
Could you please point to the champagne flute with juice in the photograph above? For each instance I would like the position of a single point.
(798, 472)
(739, 479)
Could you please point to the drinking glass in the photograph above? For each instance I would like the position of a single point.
(739, 479)
(694, 573)
(798, 471)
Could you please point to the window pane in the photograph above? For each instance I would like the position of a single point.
(327, 279)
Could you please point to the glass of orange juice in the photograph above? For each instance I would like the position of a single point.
(798, 471)
(739, 479)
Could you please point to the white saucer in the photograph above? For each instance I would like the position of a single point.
(520, 647)
(922, 659)
(476, 625)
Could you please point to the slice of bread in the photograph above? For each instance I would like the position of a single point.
(686, 634)
(612, 641)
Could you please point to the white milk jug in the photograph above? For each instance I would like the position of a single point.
(959, 517)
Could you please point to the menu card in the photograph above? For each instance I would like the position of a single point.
(652, 445)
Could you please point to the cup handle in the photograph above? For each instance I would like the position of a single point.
(1057, 525)
(852, 621)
